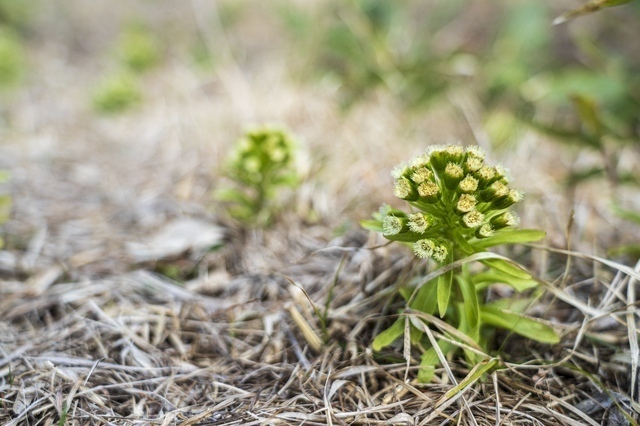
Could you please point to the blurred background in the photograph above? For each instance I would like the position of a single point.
(115, 117)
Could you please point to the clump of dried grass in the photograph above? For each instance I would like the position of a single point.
(272, 327)
(137, 348)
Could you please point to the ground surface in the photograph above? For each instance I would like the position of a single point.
(128, 297)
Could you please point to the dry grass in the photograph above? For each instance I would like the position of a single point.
(274, 326)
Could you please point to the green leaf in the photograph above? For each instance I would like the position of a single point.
(470, 298)
(507, 268)
(407, 237)
(429, 359)
(626, 214)
(564, 135)
(372, 225)
(517, 305)
(388, 336)
(484, 279)
(509, 236)
(462, 243)
(586, 108)
(520, 324)
(476, 373)
(444, 292)
(425, 300)
(232, 195)
(578, 176)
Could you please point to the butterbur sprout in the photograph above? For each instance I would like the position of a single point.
(455, 193)
(459, 209)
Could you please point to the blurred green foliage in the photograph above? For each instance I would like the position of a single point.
(571, 85)
(591, 6)
(116, 93)
(6, 203)
(16, 13)
(365, 45)
(261, 164)
(12, 59)
(138, 48)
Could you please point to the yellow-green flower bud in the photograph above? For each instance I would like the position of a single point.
(421, 174)
(475, 151)
(468, 185)
(420, 222)
(512, 197)
(393, 225)
(472, 164)
(494, 192)
(429, 192)
(440, 252)
(404, 189)
(503, 173)
(473, 219)
(424, 248)
(485, 176)
(484, 231)
(452, 175)
(466, 203)
(400, 171)
(420, 161)
(505, 219)
(449, 154)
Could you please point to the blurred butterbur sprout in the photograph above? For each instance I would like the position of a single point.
(261, 164)
(116, 93)
(138, 49)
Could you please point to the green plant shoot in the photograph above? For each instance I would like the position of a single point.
(261, 164)
(460, 208)
(138, 49)
(116, 94)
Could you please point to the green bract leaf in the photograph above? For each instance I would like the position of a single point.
(426, 298)
(470, 298)
(444, 292)
(476, 373)
(509, 236)
(507, 268)
(520, 324)
(388, 336)
(484, 279)
(372, 225)
(429, 359)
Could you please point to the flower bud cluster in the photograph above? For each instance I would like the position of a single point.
(262, 154)
(454, 191)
